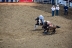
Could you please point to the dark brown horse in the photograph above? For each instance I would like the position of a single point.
(50, 28)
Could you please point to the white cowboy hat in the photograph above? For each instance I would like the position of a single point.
(57, 5)
(48, 22)
(40, 15)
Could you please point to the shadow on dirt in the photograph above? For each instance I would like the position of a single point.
(37, 30)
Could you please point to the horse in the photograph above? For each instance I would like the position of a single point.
(38, 23)
(49, 28)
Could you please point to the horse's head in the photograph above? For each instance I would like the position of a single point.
(37, 18)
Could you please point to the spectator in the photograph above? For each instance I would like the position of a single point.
(57, 10)
(53, 10)
(65, 10)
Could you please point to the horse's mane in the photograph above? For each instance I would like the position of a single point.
(37, 18)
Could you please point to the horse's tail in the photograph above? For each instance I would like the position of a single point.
(57, 26)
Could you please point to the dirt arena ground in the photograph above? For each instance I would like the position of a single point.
(17, 27)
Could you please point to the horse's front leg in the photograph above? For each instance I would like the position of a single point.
(46, 30)
(35, 27)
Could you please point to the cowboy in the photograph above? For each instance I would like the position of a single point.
(41, 17)
(46, 25)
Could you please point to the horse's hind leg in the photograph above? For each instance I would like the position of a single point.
(53, 31)
(47, 29)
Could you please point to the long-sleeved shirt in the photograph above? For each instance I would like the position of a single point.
(57, 8)
(41, 18)
(53, 8)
